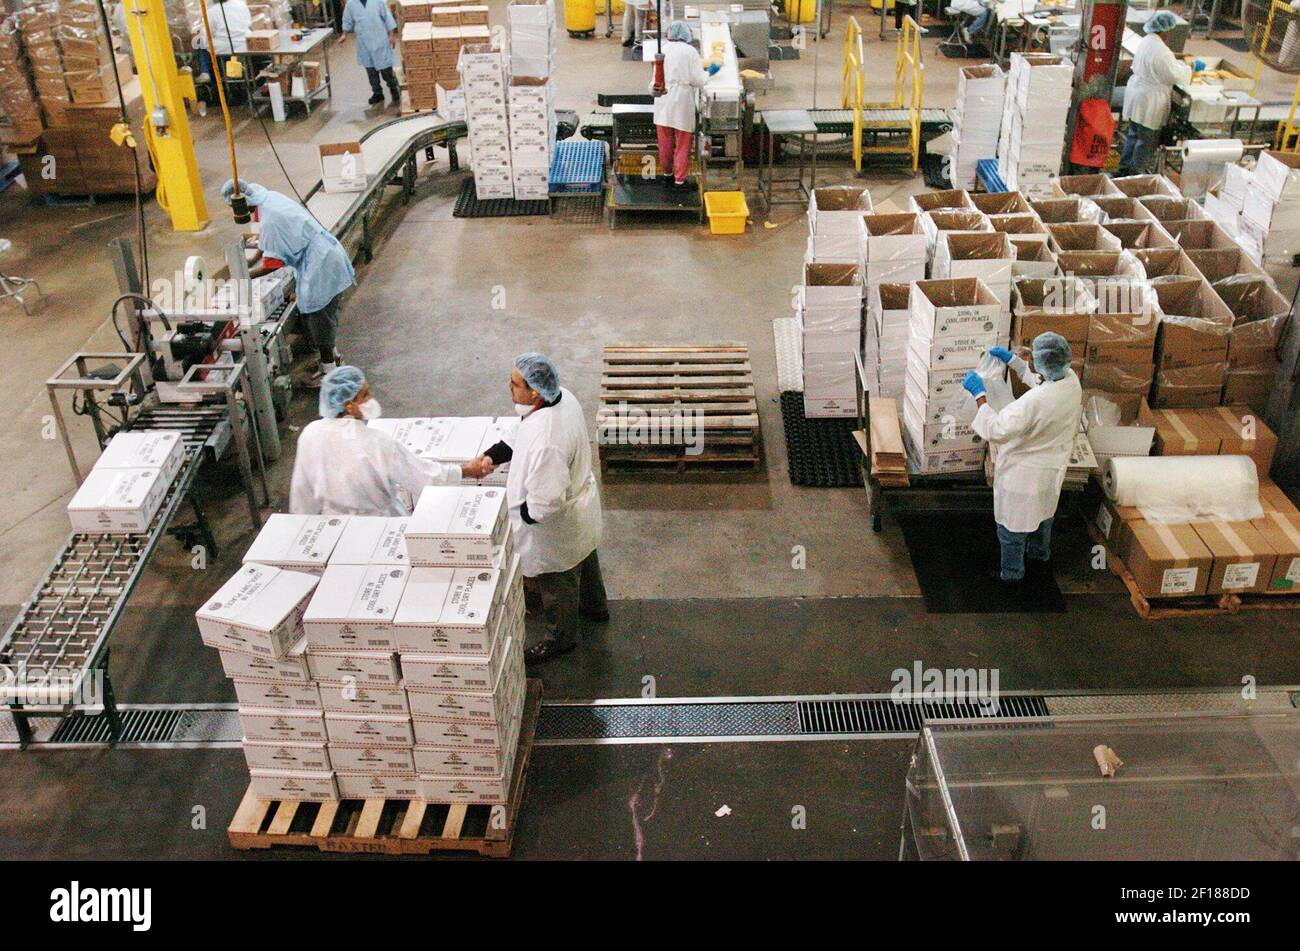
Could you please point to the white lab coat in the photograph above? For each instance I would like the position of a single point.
(684, 75)
(343, 467)
(550, 469)
(230, 22)
(1155, 72)
(1032, 438)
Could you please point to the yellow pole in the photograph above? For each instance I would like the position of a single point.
(166, 89)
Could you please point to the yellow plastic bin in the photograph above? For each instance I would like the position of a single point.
(727, 212)
(801, 11)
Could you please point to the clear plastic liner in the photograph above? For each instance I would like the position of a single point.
(1117, 207)
(1172, 209)
(948, 198)
(1066, 210)
(1263, 334)
(1133, 235)
(997, 390)
(1100, 411)
(1077, 236)
(1001, 203)
(1111, 329)
(1250, 298)
(1175, 489)
(1087, 186)
(841, 198)
(1053, 295)
(1118, 377)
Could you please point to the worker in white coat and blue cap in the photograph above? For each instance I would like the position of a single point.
(288, 235)
(1156, 70)
(376, 32)
(555, 513)
(674, 110)
(342, 466)
(1033, 437)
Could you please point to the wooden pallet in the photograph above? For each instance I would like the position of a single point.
(656, 383)
(1200, 605)
(391, 826)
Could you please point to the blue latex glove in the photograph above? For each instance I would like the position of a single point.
(1002, 353)
(972, 384)
(714, 67)
(1198, 66)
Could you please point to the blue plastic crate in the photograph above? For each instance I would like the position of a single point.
(578, 168)
(986, 170)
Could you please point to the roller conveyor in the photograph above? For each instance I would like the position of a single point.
(934, 122)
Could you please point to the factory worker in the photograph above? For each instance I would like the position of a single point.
(1033, 437)
(344, 467)
(634, 14)
(289, 235)
(684, 75)
(1146, 98)
(376, 32)
(554, 503)
(230, 21)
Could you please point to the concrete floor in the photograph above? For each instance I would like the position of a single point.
(705, 597)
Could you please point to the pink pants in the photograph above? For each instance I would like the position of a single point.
(674, 152)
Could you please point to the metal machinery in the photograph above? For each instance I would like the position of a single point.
(885, 129)
(166, 89)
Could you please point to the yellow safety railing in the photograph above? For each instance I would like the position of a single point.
(853, 84)
(909, 85)
(1288, 132)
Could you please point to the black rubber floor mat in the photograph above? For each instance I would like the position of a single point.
(1237, 45)
(469, 205)
(934, 171)
(822, 453)
(955, 556)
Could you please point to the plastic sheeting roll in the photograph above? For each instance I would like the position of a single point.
(1185, 488)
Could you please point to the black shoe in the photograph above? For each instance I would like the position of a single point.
(628, 44)
(600, 618)
(1008, 584)
(1038, 567)
(539, 653)
(376, 99)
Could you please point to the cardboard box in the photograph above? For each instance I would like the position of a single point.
(368, 699)
(144, 450)
(117, 501)
(837, 209)
(1242, 432)
(1277, 175)
(491, 703)
(354, 606)
(460, 761)
(258, 611)
(374, 786)
(469, 789)
(1250, 386)
(1194, 386)
(1112, 522)
(297, 542)
(1118, 378)
(1190, 341)
(1281, 532)
(1243, 561)
(241, 666)
(953, 309)
(372, 759)
(1168, 560)
(262, 41)
(1034, 259)
(1274, 499)
(1181, 432)
(364, 729)
(342, 167)
(282, 726)
(361, 667)
(264, 754)
(458, 672)
(293, 785)
(1127, 338)
(456, 526)
(372, 540)
(277, 696)
(449, 611)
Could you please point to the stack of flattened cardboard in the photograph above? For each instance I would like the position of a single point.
(888, 454)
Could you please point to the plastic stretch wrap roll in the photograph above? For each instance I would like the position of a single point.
(1185, 488)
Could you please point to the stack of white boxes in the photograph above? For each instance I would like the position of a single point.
(829, 310)
(532, 135)
(1034, 116)
(532, 37)
(1270, 218)
(483, 80)
(836, 234)
(977, 113)
(455, 439)
(988, 256)
(126, 487)
(953, 322)
(387, 663)
(888, 333)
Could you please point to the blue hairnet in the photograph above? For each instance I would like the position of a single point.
(678, 30)
(256, 194)
(539, 373)
(339, 386)
(1051, 355)
(1162, 21)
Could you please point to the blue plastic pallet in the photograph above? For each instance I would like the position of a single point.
(578, 168)
(986, 170)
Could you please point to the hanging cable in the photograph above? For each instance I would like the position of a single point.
(237, 201)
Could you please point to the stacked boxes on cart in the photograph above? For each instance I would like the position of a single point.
(433, 34)
(976, 120)
(378, 658)
(483, 80)
(531, 96)
(1269, 223)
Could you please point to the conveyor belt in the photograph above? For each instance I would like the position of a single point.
(61, 633)
(600, 124)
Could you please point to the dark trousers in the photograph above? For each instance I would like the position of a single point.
(566, 594)
(1139, 150)
(1017, 546)
(389, 77)
(323, 325)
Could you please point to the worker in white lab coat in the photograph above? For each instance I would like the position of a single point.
(555, 512)
(1033, 437)
(1156, 70)
(230, 21)
(343, 467)
(634, 14)
(684, 76)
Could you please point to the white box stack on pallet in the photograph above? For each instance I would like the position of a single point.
(532, 38)
(836, 234)
(1034, 116)
(829, 309)
(952, 323)
(977, 113)
(1270, 218)
(888, 334)
(483, 79)
(532, 135)
(128, 483)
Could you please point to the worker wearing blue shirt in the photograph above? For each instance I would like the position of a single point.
(322, 270)
(375, 28)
